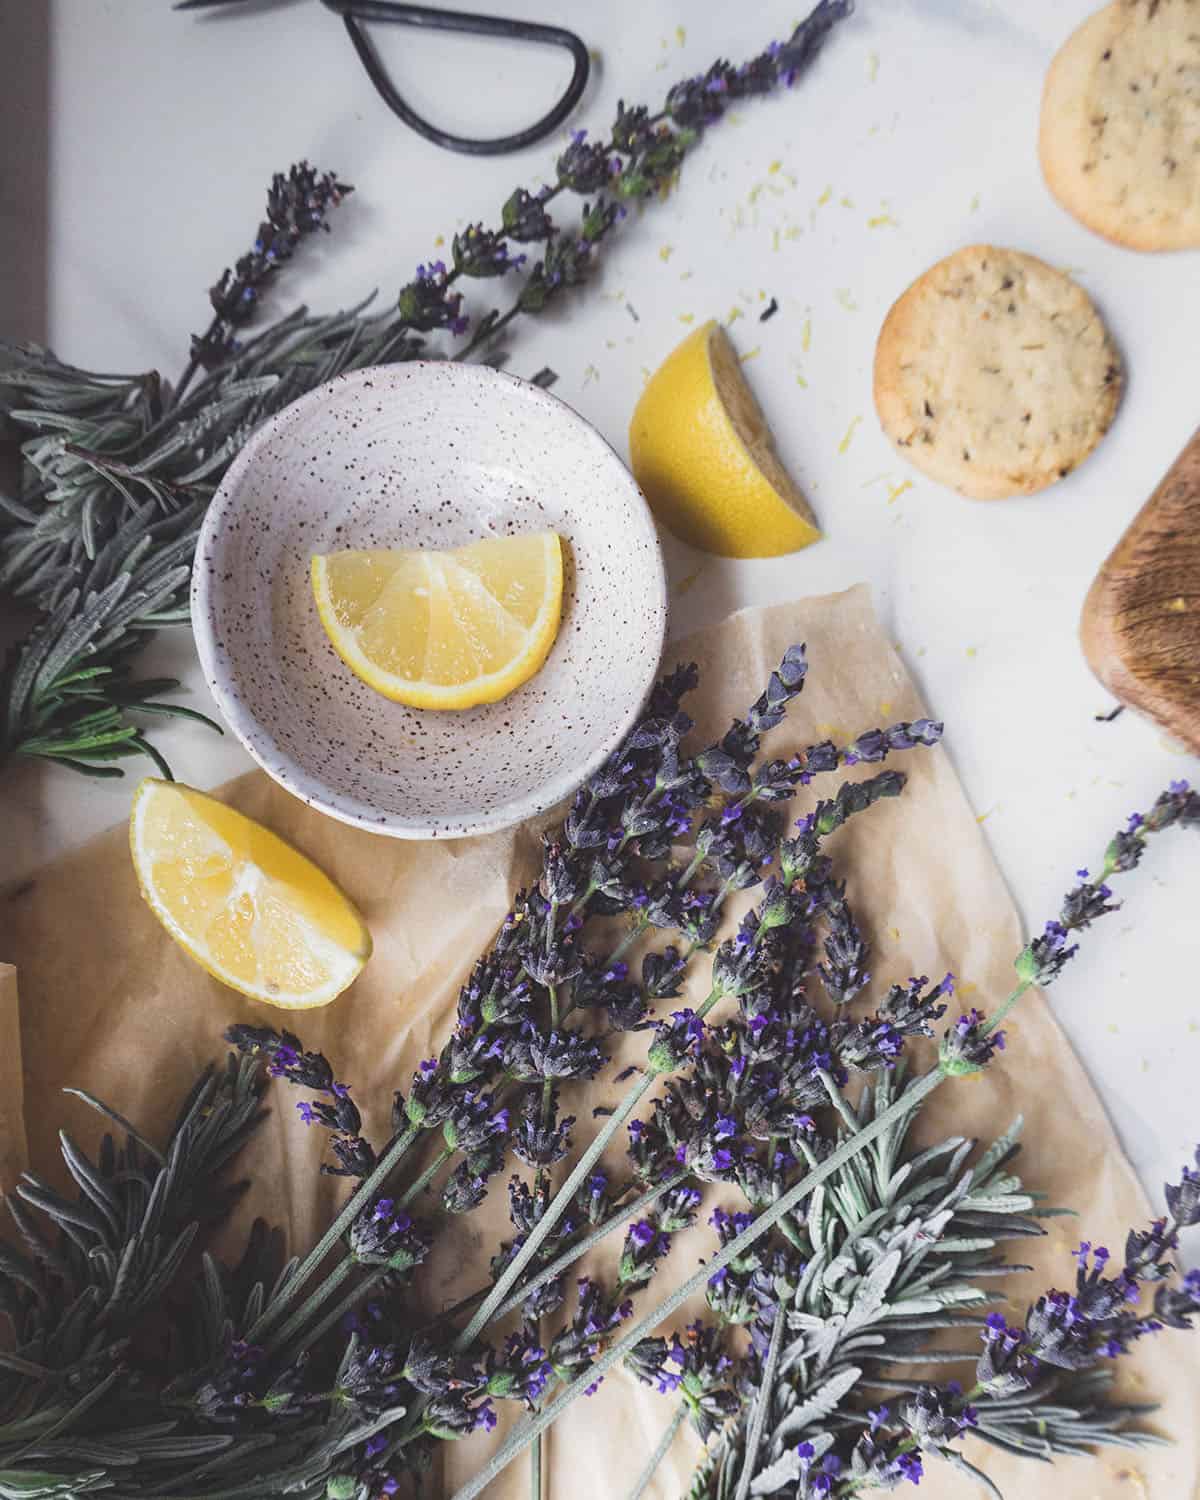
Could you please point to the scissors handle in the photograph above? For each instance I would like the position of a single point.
(354, 12)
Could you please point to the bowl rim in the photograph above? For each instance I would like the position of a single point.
(289, 774)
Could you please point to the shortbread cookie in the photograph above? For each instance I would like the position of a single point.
(1120, 131)
(994, 373)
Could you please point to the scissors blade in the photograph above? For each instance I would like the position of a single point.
(202, 4)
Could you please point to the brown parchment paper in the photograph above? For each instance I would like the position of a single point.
(108, 1002)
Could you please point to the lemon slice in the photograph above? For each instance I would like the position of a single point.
(256, 913)
(702, 452)
(444, 629)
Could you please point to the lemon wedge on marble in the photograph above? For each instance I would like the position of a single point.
(254, 911)
(444, 629)
(702, 452)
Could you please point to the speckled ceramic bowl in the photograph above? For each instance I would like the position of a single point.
(425, 454)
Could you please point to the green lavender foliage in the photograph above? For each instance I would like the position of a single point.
(90, 1268)
(116, 470)
(134, 1375)
(902, 1248)
(101, 537)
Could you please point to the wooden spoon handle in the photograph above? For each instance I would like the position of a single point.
(1141, 620)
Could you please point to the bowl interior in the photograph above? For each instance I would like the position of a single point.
(425, 455)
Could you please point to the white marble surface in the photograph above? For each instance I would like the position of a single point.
(916, 134)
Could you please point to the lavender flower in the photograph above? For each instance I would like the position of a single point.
(477, 252)
(1183, 1197)
(524, 217)
(698, 1368)
(1046, 956)
(385, 1235)
(585, 166)
(298, 205)
(427, 302)
(843, 970)
(287, 1059)
(597, 1313)
(970, 1044)
(522, 1371)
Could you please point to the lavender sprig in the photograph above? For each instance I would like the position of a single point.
(1039, 1385)
(117, 473)
(298, 205)
(967, 1047)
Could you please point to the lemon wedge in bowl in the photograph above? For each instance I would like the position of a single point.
(444, 629)
(701, 450)
(246, 905)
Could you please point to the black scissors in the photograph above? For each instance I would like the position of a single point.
(355, 12)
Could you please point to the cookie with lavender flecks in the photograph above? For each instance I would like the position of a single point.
(995, 374)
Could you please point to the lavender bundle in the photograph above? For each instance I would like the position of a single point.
(117, 470)
(850, 1252)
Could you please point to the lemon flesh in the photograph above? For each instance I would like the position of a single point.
(444, 629)
(256, 913)
(702, 452)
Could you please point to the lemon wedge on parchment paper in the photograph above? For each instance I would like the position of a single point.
(254, 911)
(447, 629)
(701, 450)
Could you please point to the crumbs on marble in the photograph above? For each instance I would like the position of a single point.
(884, 219)
(665, 252)
(895, 491)
(846, 441)
(845, 299)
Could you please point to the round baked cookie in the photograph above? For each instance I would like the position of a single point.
(994, 373)
(1120, 128)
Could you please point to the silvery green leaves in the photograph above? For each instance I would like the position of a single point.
(92, 1266)
(826, 1286)
(895, 1247)
(118, 470)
